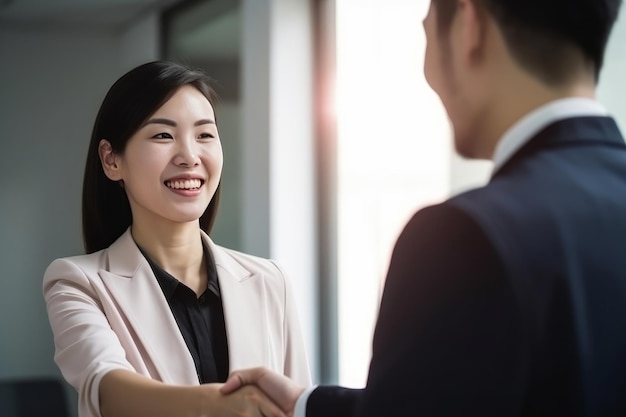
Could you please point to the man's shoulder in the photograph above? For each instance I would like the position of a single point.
(439, 224)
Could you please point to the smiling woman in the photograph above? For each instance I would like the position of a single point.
(153, 318)
(177, 147)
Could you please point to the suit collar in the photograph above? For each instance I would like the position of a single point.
(575, 131)
(225, 262)
(133, 285)
(125, 258)
(245, 305)
(533, 122)
(169, 283)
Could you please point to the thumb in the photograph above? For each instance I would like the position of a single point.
(237, 379)
(232, 384)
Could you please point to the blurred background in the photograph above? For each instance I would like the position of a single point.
(332, 140)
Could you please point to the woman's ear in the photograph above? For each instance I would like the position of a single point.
(109, 160)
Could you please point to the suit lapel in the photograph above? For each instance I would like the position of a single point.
(244, 301)
(133, 285)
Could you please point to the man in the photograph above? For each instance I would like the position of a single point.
(508, 300)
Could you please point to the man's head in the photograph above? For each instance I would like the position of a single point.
(475, 46)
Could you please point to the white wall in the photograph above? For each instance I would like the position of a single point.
(612, 87)
(49, 100)
(51, 83)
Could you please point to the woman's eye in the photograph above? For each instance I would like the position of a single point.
(206, 136)
(162, 136)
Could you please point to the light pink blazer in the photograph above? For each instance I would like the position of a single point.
(108, 312)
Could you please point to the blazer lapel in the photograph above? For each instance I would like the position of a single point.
(134, 287)
(245, 310)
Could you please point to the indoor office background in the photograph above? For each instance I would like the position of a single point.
(331, 137)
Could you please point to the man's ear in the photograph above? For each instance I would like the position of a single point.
(473, 30)
(109, 160)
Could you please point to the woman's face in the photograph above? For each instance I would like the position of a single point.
(172, 165)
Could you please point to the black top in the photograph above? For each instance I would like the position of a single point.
(200, 320)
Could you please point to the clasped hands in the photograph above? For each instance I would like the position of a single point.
(280, 391)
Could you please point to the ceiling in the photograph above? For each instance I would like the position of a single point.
(94, 14)
(209, 29)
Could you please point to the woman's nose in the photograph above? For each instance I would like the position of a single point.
(187, 154)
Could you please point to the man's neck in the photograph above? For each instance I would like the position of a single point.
(517, 99)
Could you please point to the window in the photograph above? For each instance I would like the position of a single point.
(394, 155)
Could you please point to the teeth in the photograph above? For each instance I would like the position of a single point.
(184, 184)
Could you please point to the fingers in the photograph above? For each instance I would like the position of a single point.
(280, 389)
(269, 409)
(250, 400)
(243, 377)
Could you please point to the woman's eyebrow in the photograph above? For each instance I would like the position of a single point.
(204, 122)
(172, 123)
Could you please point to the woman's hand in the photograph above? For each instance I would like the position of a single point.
(127, 394)
(282, 390)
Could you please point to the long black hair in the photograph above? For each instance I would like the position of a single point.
(130, 101)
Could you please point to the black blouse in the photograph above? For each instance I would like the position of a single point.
(200, 320)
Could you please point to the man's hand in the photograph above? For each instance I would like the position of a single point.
(280, 389)
(247, 401)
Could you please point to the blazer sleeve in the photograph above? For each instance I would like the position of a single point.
(85, 346)
(448, 337)
(296, 365)
(333, 401)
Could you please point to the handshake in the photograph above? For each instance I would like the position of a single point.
(262, 392)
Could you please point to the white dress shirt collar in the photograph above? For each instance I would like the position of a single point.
(529, 125)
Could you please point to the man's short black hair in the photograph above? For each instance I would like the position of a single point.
(546, 36)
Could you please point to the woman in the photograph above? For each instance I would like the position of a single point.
(154, 317)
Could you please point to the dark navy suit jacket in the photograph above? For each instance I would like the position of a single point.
(509, 300)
